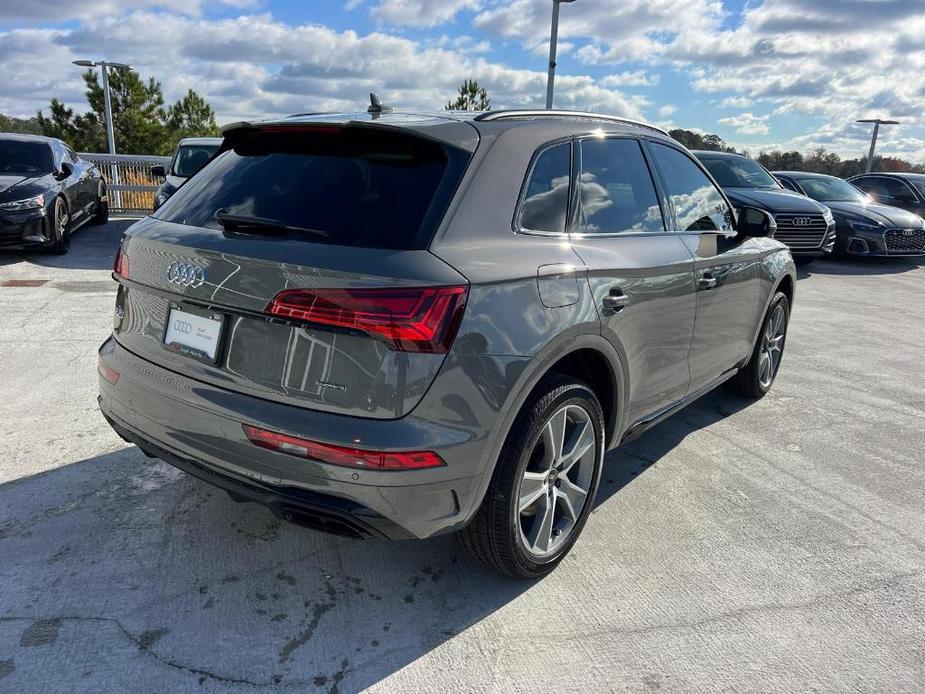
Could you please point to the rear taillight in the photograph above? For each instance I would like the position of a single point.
(340, 455)
(120, 267)
(409, 319)
(109, 374)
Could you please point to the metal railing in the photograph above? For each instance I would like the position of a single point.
(129, 180)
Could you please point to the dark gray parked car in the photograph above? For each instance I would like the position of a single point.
(400, 325)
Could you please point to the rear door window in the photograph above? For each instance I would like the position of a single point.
(344, 186)
(545, 204)
(616, 191)
(697, 203)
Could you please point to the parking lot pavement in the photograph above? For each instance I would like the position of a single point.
(773, 546)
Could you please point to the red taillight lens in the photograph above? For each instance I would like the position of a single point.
(120, 267)
(109, 374)
(410, 319)
(340, 455)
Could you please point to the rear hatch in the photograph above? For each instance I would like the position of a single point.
(294, 268)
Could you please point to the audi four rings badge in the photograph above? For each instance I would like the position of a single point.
(186, 274)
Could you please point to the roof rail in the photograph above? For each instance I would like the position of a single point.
(548, 113)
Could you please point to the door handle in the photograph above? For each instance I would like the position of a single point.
(706, 282)
(616, 300)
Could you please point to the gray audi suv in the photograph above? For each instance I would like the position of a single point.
(397, 325)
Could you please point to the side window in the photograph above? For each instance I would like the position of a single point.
(892, 188)
(616, 189)
(698, 205)
(868, 185)
(545, 204)
(788, 184)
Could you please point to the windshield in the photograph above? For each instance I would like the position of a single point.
(740, 172)
(26, 158)
(359, 187)
(191, 158)
(831, 190)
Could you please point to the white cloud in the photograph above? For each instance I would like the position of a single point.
(255, 66)
(667, 110)
(639, 78)
(736, 101)
(420, 13)
(747, 124)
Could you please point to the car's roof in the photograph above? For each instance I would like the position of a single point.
(718, 155)
(803, 174)
(456, 127)
(893, 174)
(200, 141)
(28, 137)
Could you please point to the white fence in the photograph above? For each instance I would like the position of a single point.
(130, 181)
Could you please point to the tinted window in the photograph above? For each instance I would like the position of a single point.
(357, 188)
(616, 189)
(29, 158)
(884, 188)
(831, 189)
(698, 205)
(786, 183)
(191, 158)
(545, 203)
(739, 172)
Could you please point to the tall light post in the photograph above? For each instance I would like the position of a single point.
(107, 101)
(873, 139)
(553, 40)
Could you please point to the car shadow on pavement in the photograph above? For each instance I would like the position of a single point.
(860, 266)
(92, 248)
(119, 563)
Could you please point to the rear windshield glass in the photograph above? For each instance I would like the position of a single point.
(346, 186)
(29, 158)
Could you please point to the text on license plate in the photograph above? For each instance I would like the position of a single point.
(200, 333)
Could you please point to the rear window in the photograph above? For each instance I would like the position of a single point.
(345, 186)
(191, 158)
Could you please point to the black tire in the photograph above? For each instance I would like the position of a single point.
(802, 260)
(101, 211)
(749, 382)
(495, 536)
(62, 232)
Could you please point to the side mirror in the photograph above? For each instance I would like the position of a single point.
(159, 171)
(756, 223)
(67, 169)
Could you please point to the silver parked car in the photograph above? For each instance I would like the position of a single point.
(398, 325)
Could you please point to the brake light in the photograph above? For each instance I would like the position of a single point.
(408, 319)
(120, 267)
(108, 373)
(340, 455)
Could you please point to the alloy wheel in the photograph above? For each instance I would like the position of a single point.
(772, 346)
(61, 220)
(554, 488)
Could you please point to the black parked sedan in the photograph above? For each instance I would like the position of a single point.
(905, 190)
(46, 192)
(864, 227)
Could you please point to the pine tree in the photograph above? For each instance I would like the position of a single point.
(471, 97)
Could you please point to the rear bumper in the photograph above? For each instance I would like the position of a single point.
(198, 428)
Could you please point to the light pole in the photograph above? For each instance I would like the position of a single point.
(104, 65)
(553, 40)
(873, 140)
(107, 104)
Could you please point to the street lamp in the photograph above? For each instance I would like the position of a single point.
(553, 40)
(110, 136)
(873, 140)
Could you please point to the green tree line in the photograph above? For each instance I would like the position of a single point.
(142, 124)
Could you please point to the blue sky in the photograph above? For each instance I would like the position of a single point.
(762, 74)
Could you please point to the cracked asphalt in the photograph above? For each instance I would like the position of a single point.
(775, 546)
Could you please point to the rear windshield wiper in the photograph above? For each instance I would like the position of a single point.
(262, 225)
